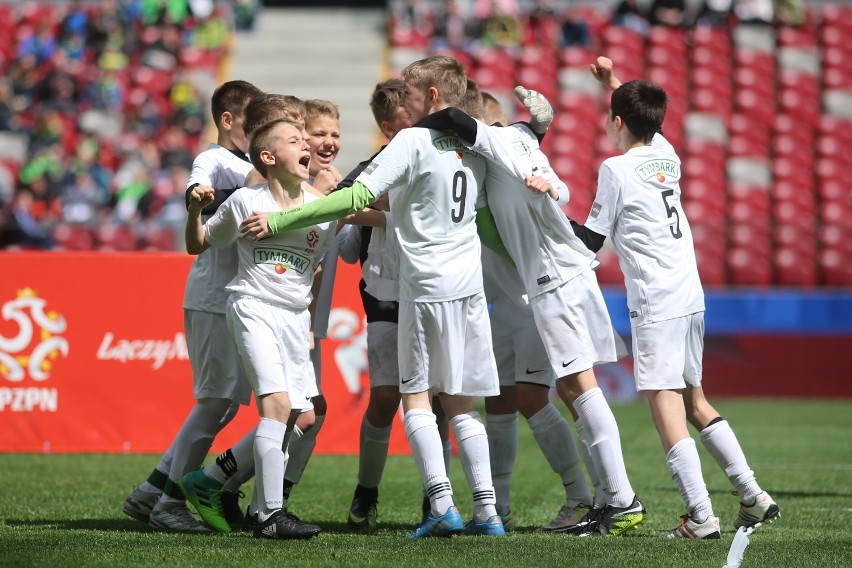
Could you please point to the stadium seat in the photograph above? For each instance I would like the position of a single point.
(836, 268)
(746, 268)
(789, 192)
(73, 237)
(791, 237)
(835, 237)
(750, 238)
(795, 215)
(833, 191)
(789, 170)
(576, 57)
(157, 238)
(116, 238)
(793, 268)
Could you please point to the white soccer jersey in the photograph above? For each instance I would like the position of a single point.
(279, 269)
(435, 187)
(502, 280)
(533, 228)
(638, 206)
(211, 270)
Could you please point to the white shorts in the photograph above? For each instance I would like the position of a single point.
(667, 354)
(518, 349)
(316, 363)
(574, 325)
(446, 346)
(273, 344)
(217, 371)
(382, 354)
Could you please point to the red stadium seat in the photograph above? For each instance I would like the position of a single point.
(833, 191)
(73, 237)
(794, 215)
(116, 238)
(576, 57)
(717, 38)
(789, 192)
(835, 237)
(750, 238)
(836, 268)
(746, 268)
(787, 169)
(159, 239)
(793, 268)
(790, 237)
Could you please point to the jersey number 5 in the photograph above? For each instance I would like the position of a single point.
(670, 210)
(459, 196)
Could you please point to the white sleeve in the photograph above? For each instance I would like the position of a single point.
(541, 167)
(203, 171)
(606, 206)
(349, 239)
(223, 227)
(392, 166)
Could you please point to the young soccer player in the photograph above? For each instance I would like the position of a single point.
(220, 385)
(569, 310)
(445, 341)
(267, 310)
(525, 375)
(638, 206)
(377, 250)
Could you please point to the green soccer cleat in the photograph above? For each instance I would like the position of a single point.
(616, 521)
(205, 494)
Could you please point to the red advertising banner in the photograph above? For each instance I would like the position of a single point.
(93, 356)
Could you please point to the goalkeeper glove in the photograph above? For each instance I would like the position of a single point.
(538, 106)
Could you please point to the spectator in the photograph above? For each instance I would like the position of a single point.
(790, 12)
(671, 13)
(452, 28)
(22, 227)
(754, 12)
(575, 30)
(715, 13)
(628, 15)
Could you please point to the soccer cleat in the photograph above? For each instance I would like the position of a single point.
(139, 504)
(763, 510)
(205, 494)
(689, 529)
(250, 521)
(615, 521)
(364, 512)
(231, 507)
(569, 520)
(448, 524)
(283, 526)
(493, 526)
(509, 524)
(175, 517)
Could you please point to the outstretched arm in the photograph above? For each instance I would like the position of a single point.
(337, 205)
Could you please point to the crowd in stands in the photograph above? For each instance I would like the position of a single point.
(103, 106)
(760, 106)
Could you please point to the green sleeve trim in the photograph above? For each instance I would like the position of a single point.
(335, 206)
(488, 234)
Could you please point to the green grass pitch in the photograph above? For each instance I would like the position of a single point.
(65, 510)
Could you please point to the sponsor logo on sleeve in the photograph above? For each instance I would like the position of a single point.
(596, 210)
(371, 168)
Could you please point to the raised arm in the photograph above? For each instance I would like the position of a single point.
(603, 71)
(200, 196)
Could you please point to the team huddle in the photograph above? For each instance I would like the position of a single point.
(268, 216)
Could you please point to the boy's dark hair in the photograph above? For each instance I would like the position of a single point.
(386, 99)
(471, 102)
(263, 139)
(642, 107)
(231, 97)
(270, 106)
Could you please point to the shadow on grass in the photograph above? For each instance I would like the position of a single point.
(124, 525)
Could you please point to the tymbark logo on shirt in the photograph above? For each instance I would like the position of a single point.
(660, 169)
(287, 258)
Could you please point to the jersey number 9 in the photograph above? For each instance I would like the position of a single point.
(459, 196)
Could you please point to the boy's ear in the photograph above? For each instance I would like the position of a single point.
(267, 158)
(227, 120)
(386, 129)
(432, 95)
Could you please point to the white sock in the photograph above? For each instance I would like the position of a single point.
(374, 453)
(719, 439)
(685, 468)
(193, 440)
(605, 446)
(271, 459)
(502, 430)
(554, 437)
(600, 495)
(476, 463)
(300, 449)
(446, 444)
(422, 433)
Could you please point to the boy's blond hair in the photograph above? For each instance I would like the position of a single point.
(315, 108)
(386, 99)
(264, 139)
(443, 72)
(493, 111)
(269, 106)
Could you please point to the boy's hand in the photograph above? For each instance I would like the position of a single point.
(327, 179)
(201, 196)
(540, 185)
(256, 226)
(540, 108)
(603, 71)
